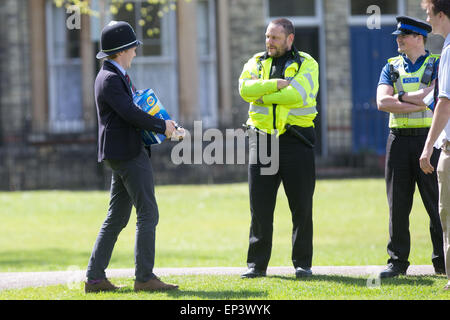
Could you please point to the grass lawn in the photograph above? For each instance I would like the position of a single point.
(207, 225)
(215, 287)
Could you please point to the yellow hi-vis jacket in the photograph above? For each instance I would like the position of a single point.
(410, 82)
(271, 109)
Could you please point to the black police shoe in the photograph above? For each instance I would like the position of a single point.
(439, 270)
(392, 271)
(253, 273)
(303, 272)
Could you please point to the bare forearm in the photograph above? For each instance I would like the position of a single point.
(393, 105)
(416, 97)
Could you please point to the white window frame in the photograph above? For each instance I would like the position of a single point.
(313, 21)
(385, 19)
(168, 31)
(56, 125)
(306, 21)
(210, 60)
(168, 54)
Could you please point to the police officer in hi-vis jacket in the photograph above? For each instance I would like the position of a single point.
(280, 85)
(404, 82)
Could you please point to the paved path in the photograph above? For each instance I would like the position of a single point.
(15, 280)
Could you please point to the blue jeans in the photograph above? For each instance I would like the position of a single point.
(132, 184)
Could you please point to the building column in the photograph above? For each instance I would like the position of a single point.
(187, 62)
(246, 29)
(38, 63)
(224, 63)
(338, 77)
(87, 72)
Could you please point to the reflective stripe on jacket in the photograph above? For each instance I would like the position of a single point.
(410, 82)
(271, 109)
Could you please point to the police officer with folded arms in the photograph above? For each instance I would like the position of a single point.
(404, 82)
(281, 85)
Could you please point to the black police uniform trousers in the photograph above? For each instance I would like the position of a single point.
(402, 172)
(297, 172)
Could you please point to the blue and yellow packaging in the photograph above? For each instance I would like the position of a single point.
(148, 101)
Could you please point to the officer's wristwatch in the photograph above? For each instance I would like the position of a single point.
(400, 96)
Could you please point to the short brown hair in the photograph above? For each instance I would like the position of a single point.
(113, 56)
(438, 6)
(424, 39)
(286, 24)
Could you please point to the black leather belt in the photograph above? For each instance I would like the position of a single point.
(410, 131)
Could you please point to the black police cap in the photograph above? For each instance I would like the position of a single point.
(409, 25)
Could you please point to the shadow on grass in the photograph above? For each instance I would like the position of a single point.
(48, 259)
(362, 281)
(225, 294)
(212, 295)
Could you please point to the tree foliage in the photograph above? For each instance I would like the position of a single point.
(147, 10)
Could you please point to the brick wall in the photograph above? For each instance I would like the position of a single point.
(24, 165)
(15, 81)
(247, 28)
(57, 166)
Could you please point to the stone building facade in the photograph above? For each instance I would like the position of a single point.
(45, 142)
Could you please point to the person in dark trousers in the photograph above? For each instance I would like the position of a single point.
(120, 146)
(281, 85)
(404, 82)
